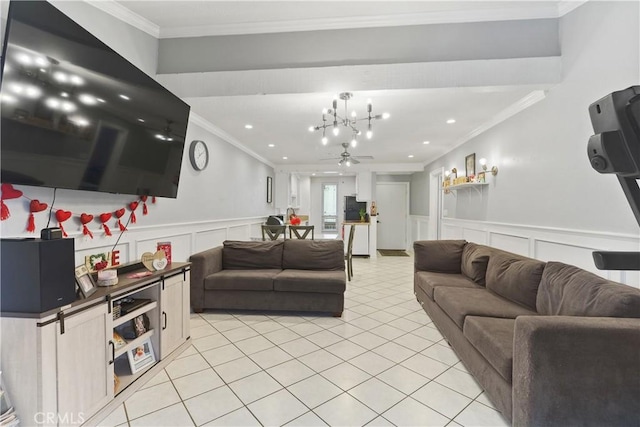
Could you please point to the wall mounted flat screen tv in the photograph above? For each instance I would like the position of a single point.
(77, 115)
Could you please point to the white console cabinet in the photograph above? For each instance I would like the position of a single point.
(58, 367)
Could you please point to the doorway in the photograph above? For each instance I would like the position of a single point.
(435, 204)
(329, 208)
(393, 212)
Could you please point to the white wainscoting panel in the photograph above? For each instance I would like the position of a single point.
(240, 232)
(475, 236)
(180, 246)
(419, 228)
(573, 247)
(516, 244)
(210, 239)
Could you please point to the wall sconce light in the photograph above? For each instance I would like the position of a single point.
(483, 163)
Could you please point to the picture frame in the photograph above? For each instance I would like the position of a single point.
(141, 356)
(269, 189)
(85, 282)
(470, 164)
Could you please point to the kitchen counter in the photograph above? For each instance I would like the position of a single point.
(356, 223)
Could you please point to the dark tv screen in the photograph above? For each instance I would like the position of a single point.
(77, 115)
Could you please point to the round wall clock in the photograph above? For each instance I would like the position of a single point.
(198, 155)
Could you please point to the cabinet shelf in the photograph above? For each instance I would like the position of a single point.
(466, 185)
(133, 343)
(135, 313)
(123, 371)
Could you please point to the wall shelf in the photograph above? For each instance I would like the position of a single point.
(475, 185)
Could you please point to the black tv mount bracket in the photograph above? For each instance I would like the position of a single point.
(615, 148)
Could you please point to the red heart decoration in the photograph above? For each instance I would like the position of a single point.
(62, 216)
(105, 217)
(36, 206)
(86, 218)
(133, 205)
(143, 198)
(8, 192)
(119, 213)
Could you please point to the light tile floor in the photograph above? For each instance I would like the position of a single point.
(383, 363)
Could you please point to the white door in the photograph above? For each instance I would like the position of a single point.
(392, 202)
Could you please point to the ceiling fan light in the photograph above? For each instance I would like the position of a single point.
(325, 140)
(354, 142)
(336, 131)
(348, 163)
(311, 128)
(386, 115)
(369, 134)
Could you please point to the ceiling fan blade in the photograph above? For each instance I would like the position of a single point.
(362, 157)
(354, 161)
(331, 158)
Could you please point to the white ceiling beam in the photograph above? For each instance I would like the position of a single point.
(537, 72)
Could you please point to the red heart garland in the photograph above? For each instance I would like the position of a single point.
(8, 193)
(104, 218)
(85, 219)
(133, 206)
(62, 216)
(144, 205)
(119, 214)
(34, 206)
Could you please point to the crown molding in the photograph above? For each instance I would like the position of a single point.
(124, 14)
(206, 125)
(567, 6)
(445, 17)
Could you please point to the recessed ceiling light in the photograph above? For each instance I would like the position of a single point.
(284, 158)
(141, 120)
(64, 94)
(450, 121)
(100, 100)
(271, 145)
(125, 97)
(340, 174)
(426, 142)
(248, 126)
(410, 156)
(313, 174)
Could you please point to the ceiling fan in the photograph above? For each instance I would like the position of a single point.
(347, 159)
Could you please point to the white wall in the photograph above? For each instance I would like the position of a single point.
(225, 201)
(545, 180)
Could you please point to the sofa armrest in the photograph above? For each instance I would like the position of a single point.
(570, 370)
(440, 256)
(203, 264)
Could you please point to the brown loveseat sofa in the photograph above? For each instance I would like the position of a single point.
(290, 275)
(551, 344)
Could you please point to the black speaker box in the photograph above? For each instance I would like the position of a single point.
(36, 275)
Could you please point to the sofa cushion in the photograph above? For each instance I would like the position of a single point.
(474, 262)
(493, 338)
(327, 281)
(441, 256)
(459, 303)
(428, 281)
(567, 290)
(514, 277)
(249, 255)
(313, 254)
(241, 280)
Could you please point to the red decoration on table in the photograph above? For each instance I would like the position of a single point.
(104, 218)
(86, 219)
(62, 216)
(34, 206)
(133, 206)
(166, 248)
(144, 205)
(8, 193)
(119, 213)
(153, 199)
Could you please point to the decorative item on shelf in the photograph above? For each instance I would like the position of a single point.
(85, 281)
(154, 262)
(118, 341)
(363, 214)
(97, 262)
(483, 163)
(141, 357)
(481, 177)
(141, 324)
(166, 247)
(349, 121)
(470, 164)
(107, 278)
(454, 174)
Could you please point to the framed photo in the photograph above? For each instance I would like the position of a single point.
(85, 281)
(141, 356)
(470, 164)
(269, 189)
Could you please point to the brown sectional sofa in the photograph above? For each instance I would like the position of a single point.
(551, 344)
(288, 275)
